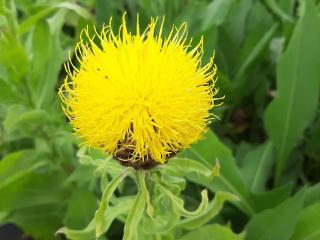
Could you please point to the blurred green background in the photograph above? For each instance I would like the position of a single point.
(267, 139)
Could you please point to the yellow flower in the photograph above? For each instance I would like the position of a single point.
(139, 97)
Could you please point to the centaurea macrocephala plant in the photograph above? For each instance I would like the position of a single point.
(142, 98)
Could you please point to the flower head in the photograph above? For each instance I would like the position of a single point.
(140, 97)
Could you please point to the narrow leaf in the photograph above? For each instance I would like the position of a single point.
(88, 232)
(297, 86)
(256, 167)
(276, 223)
(230, 179)
(185, 165)
(27, 24)
(145, 192)
(178, 203)
(81, 208)
(100, 215)
(41, 48)
(213, 231)
(134, 217)
(215, 13)
(213, 209)
(256, 51)
(308, 224)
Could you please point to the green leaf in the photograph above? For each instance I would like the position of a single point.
(41, 49)
(105, 9)
(87, 233)
(210, 37)
(272, 4)
(81, 209)
(312, 195)
(171, 178)
(31, 194)
(122, 207)
(230, 179)
(13, 57)
(76, 8)
(28, 119)
(256, 167)
(237, 21)
(134, 217)
(40, 222)
(215, 13)
(27, 24)
(178, 203)
(271, 198)
(286, 6)
(145, 192)
(297, 86)
(57, 20)
(312, 149)
(8, 93)
(16, 165)
(251, 57)
(276, 223)
(308, 225)
(213, 231)
(152, 8)
(27, 189)
(165, 216)
(45, 89)
(213, 209)
(3, 215)
(101, 213)
(185, 165)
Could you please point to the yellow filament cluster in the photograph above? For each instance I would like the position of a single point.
(142, 94)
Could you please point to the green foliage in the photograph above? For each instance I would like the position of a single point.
(297, 86)
(101, 213)
(219, 232)
(151, 204)
(255, 175)
(229, 179)
(276, 223)
(307, 226)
